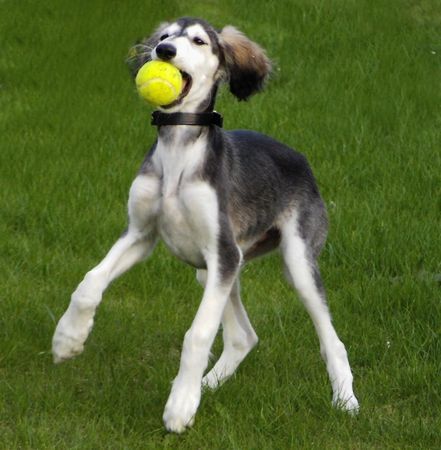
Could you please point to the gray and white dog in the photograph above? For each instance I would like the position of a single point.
(217, 199)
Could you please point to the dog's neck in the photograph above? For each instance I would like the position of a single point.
(187, 124)
(182, 118)
(180, 135)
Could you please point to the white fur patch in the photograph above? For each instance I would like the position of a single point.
(187, 216)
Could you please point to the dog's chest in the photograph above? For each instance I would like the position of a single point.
(188, 206)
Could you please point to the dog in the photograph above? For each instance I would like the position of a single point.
(217, 199)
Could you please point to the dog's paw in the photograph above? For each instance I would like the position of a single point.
(181, 408)
(211, 380)
(217, 376)
(348, 403)
(65, 347)
(68, 340)
(228, 363)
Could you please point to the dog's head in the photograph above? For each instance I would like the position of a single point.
(205, 57)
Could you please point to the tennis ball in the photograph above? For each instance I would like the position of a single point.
(159, 82)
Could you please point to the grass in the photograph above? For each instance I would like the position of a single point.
(357, 89)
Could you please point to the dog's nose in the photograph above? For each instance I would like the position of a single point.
(166, 51)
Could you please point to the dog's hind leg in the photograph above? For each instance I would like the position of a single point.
(239, 338)
(136, 244)
(303, 273)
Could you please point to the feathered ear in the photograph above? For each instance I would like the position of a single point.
(140, 53)
(246, 64)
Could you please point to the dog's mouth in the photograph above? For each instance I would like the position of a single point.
(187, 83)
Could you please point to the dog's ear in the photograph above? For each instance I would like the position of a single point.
(246, 64)
(140, 53)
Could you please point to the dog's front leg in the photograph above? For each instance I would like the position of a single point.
(136, 244)
(186, 391)
(76, 323)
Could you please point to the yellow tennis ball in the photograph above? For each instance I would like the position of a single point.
(159, 82)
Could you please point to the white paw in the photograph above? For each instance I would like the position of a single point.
(181, 408)
(220, 373)
(212, 380)
(348, 403)
(68, 340)
(226, 366)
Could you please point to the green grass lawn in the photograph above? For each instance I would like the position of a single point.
(357, 88)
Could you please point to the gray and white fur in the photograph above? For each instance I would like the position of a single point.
(217, 199)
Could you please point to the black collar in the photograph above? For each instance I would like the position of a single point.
(203, 119)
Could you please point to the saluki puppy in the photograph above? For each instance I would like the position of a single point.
(217, 199)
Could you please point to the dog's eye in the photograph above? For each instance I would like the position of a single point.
(198, 41)
(164, 36)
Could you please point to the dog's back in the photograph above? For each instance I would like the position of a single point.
(264, 181)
